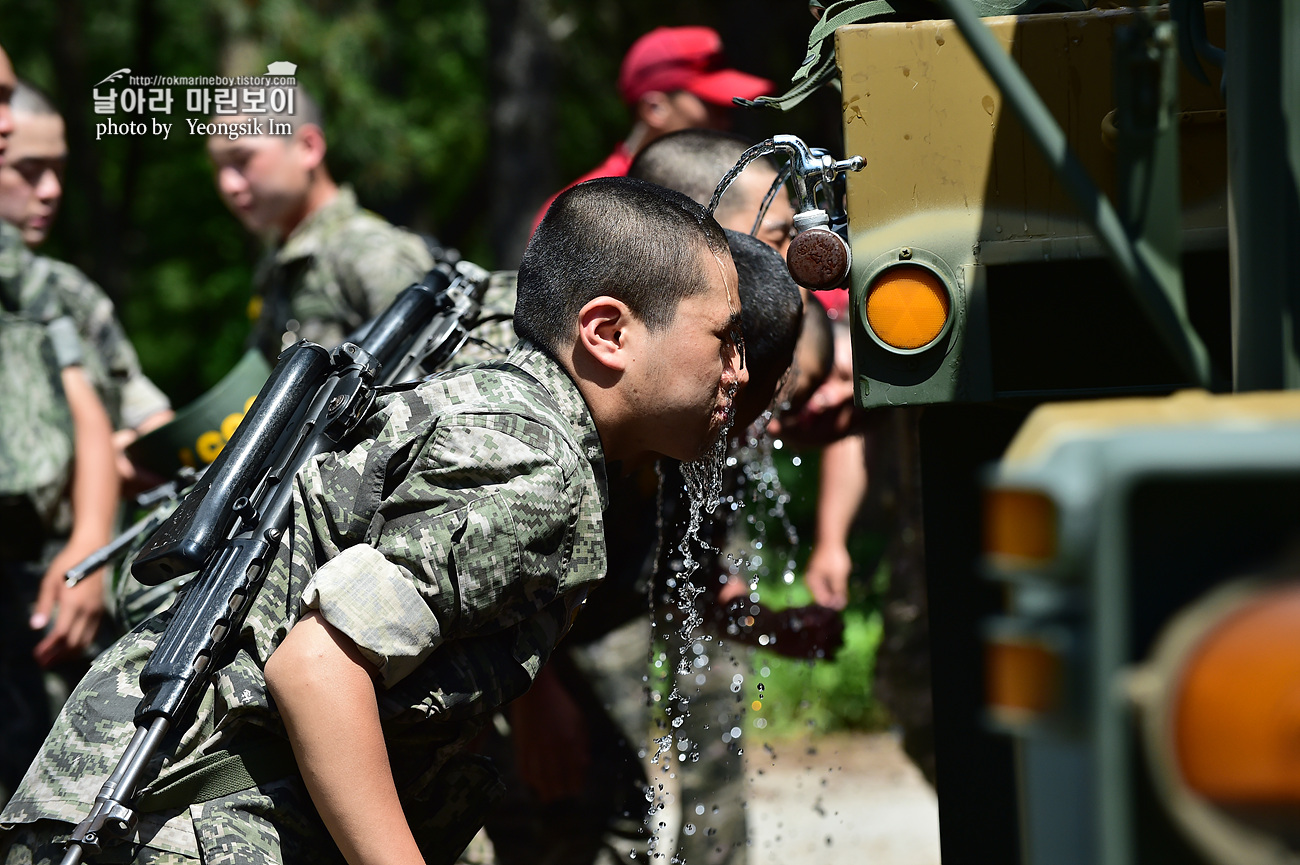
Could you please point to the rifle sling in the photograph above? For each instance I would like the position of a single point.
(222, 773)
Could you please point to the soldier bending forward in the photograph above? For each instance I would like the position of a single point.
(433, 564)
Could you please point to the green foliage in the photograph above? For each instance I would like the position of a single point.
(825, 695)
(798, 697)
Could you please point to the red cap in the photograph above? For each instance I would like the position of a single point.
(685, 58)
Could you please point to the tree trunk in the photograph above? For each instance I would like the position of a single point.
(521, 162)
(95, 223)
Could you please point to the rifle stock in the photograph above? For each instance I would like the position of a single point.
(204, 519)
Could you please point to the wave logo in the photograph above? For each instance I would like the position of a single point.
(115, 76)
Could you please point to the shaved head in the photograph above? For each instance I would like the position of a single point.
(31, 101)
(693, 161)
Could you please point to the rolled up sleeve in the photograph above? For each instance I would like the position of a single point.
(375, 604)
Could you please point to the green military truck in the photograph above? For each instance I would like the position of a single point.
(1074, 243)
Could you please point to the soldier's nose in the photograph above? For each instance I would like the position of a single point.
(49, 186)
(230, 181)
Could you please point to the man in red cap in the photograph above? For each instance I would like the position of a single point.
(673, 78)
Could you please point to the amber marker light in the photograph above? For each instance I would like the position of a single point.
(1236, 711)
(1022, 677)
(907, 307)
(1019, 527)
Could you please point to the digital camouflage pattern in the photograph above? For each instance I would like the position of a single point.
(494, 334)
(339, 268)
(36, 440)
(608, 655)
(36, 451)
(490, 340)
(453, 542)
(130, 601)
(44, 289)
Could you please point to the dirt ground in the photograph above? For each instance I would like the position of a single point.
(839, 800)
(834, 800)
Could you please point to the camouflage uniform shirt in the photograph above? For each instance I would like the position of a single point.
(453, 543)
(340, 267)
(43, 289)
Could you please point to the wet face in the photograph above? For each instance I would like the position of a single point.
(31, 177)
(744, 198)
(737, 211)
(810, 372)
(7, 83)
(687, 378)
(263, 179)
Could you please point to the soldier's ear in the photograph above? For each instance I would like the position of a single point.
(311, 145)
(606, 332)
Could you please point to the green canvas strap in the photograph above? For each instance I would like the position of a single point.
(221, 773)
(819, 67)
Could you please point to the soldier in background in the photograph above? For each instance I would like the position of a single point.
(58, 492)
(694, 161)
(331, 266)
(673, 78)
(31, 190)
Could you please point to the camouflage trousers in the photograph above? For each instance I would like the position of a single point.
(42, 843)
(605, 823)
(703, 771)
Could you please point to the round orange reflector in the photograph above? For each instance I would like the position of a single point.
(1237, 710)
(907, 306)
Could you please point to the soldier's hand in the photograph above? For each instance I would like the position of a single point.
(827, 575)
(76, 610)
